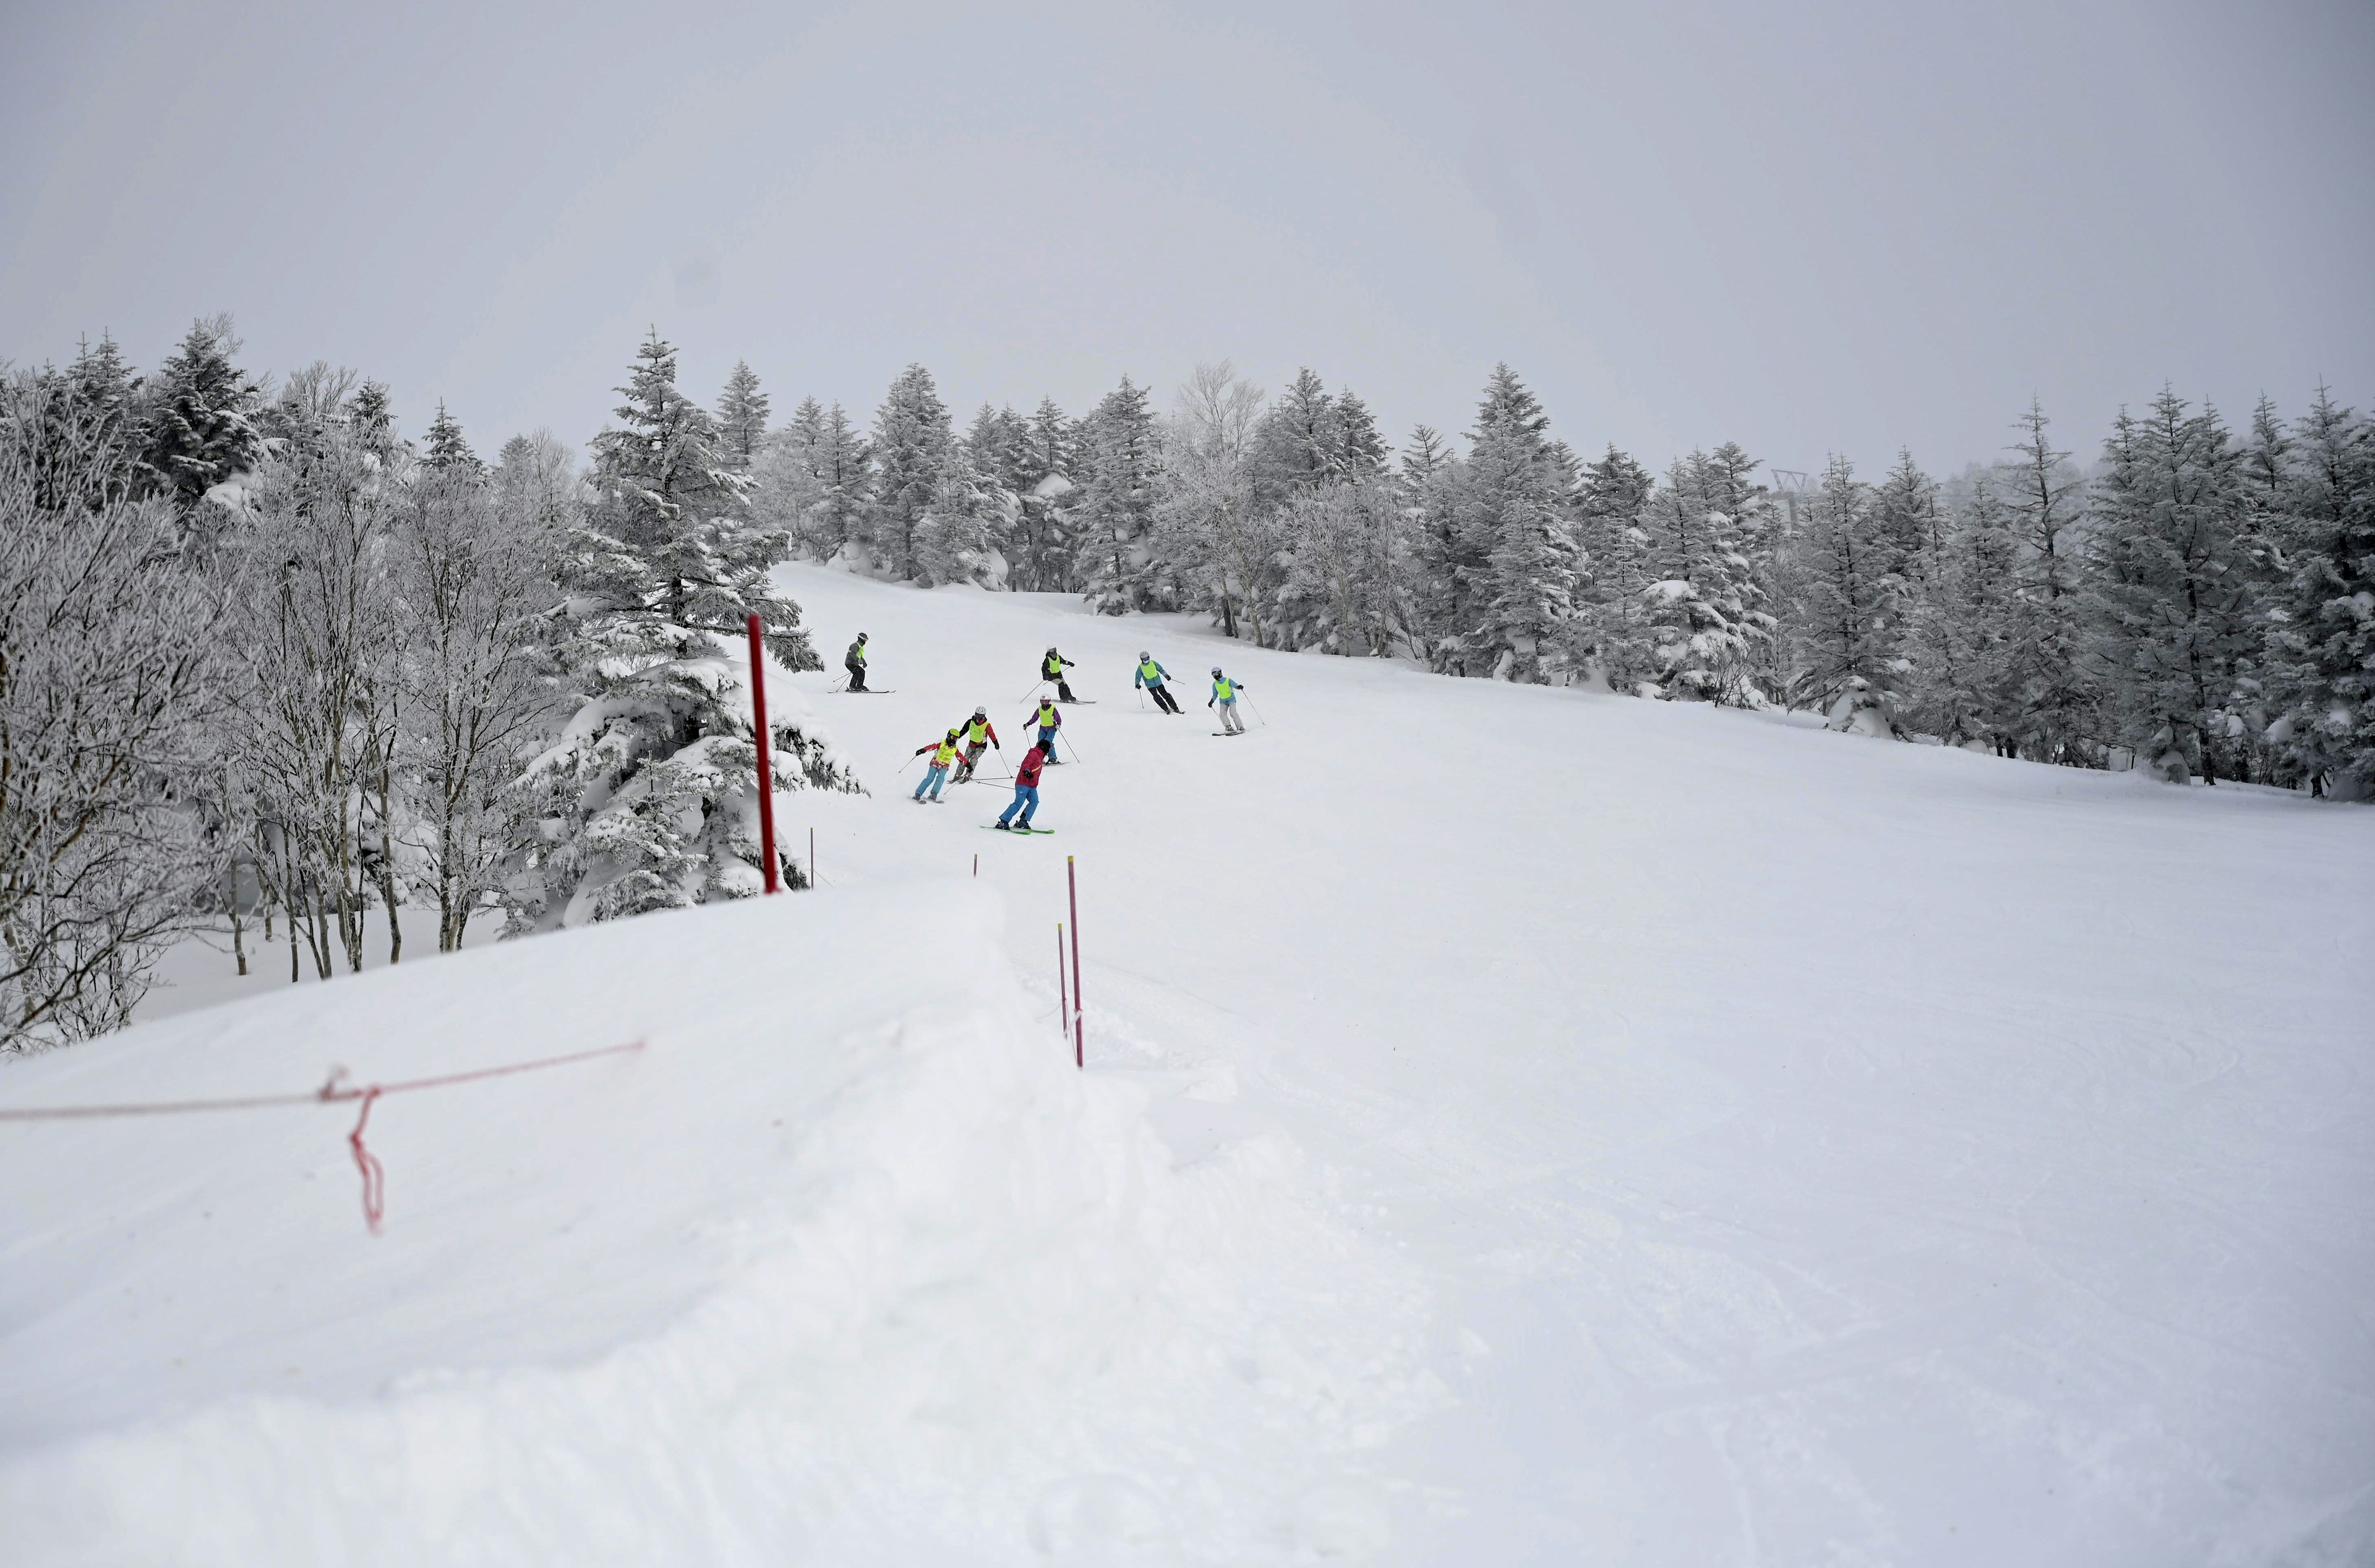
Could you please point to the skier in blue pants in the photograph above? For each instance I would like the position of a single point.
(936, 771)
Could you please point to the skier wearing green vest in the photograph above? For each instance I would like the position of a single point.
(854, 662)
(978, 733)
(1052, 668)
(936, 771)
(1224, 692)
(1152, 676)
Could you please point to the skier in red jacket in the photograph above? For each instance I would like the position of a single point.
(1027, 789)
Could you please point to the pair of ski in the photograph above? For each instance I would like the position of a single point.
(994, 828)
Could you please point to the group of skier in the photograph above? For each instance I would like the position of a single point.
(954, 757)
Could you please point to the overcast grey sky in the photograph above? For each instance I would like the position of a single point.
(1805, 227)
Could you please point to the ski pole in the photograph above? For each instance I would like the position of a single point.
(1257, 713)
(1069, 745)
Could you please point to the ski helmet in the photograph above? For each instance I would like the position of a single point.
(981, 713)
(1216, 669)
(1144, 654)
(861, 636)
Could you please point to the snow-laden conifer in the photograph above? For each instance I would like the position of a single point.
(2169, 596)
(2320, 639)
(1113, 515)
(648, 799)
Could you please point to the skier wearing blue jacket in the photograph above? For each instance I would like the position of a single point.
(1152, 676)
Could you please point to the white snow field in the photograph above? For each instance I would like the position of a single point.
(1520, 1126)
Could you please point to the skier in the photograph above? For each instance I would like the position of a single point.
(936, 771)
(1052, 668)
(854, 661)
(978, 734)
(1049, 721)
(1027, 790)
(1152, 676)
(1224, 692)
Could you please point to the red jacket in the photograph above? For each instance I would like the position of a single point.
(1026, 772)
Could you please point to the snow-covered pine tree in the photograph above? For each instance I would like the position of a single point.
(1046, 549)
(2169, 598)
(912, 443)
(647, 795)
(1426, 480)
(2321, 653)
(1610, 634)
(1115, 514)
(1359, 448)
(1963, 631)
(2046, 499)
(958, 539)
(201, 414)
(1847, 626)
(1909, 526)
(1297, 446)
(741, 418)
(1516, 494)
(1703, 604)
(446, 447)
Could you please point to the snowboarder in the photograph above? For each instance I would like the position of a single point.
(1049, 721)
(1027, 790)
(854, 662)
(1152, 676)
(1052, 668)
(1224, 692)
(978, 733)
(936, 771)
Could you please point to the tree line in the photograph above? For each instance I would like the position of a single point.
(267, 665)
(2196, 601)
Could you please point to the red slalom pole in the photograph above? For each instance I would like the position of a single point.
(1063, 1004)
(766, 765)
(1072, 881)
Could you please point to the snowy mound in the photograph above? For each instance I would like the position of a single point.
(845, 1264)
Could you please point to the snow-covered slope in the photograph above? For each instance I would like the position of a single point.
(1584, 1130)
(847, 1263)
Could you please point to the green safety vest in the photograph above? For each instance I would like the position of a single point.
(1055, 668)
(980, 731)
(945, 755)
(1046, 715)
(1149, 670)
(1226, 689)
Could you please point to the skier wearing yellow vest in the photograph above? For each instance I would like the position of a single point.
(1052, 668)
(936, 771)
(1049, 721)
(1224, 692)
(1152, 676)
(978, 733)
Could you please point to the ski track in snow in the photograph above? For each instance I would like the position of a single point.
(1597, 1131)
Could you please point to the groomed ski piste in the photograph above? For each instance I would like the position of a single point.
(1519, 1126)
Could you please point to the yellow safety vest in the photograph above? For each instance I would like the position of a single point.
(1226, 689)
(945, 755)
(1149, 670)
(980, 731)
(1046, 715)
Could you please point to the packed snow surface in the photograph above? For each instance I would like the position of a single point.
(1519, 1126)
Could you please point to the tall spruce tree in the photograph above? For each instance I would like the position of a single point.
(2046, 499)
(741, 418)
(2171, 596)
(1704, 603)
(2320, 652)
(647, 797)
(1611, 635)
(1115, 514)
(446, 448)
(1517, 489)
(202, 415)
(1849, 630)
(912, 450)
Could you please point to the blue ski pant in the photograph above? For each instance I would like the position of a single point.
(932, 779)
(1026, 800)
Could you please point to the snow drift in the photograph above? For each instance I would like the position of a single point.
(847, 1263)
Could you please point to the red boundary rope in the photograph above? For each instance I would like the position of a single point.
(331, 1091)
